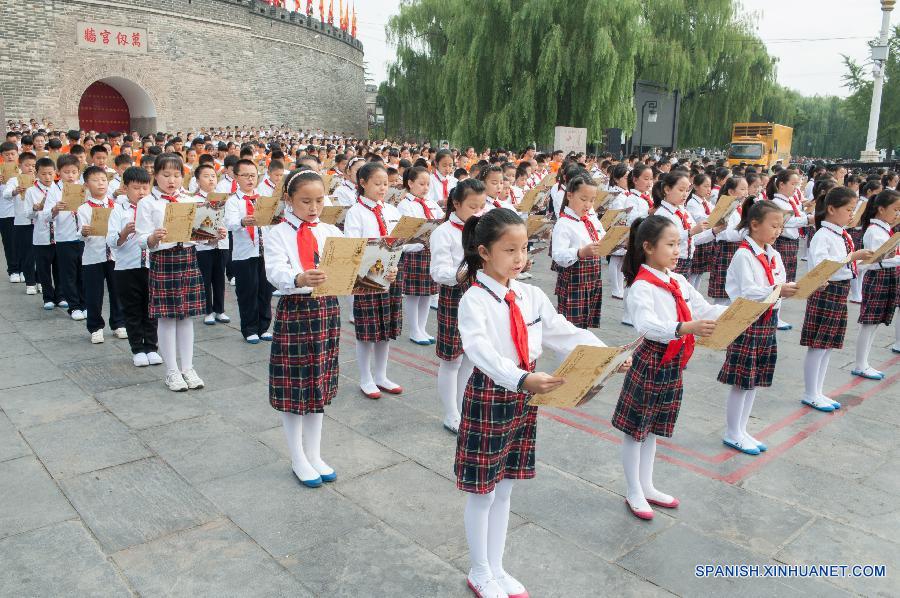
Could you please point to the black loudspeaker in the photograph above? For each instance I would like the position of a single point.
(613, 142)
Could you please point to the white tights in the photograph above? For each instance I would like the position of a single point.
(304, 439)
(737, 414)
(694, 279)
(815, 365)
(614, 275)
(637, 461)
(415, 314)
(487, 519)
(864, 345)
(452, 378)
(176, 343)
(366, 353)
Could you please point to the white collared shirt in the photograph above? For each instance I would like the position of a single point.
(22, 204)
(265, 187)
(697, 207)
(731, 233)
(226, 185)
(746, 276)
(652, 309)
(484, 327)
(7, 207)
(150, 215)
(685, 248)
(345, 193)
(94, 247)
(828, 244)
(128, 254)
(114, 185)
(493, 204)
(639, 206)
(408, 206)
(235, 211)
(34, 196)
(517, 194)
(446, 252)
(557, 194)
(282, 256)
(362, 222)
(436, 188)
(795, 223)
(875, 236)
(65, 224)
(571, 235)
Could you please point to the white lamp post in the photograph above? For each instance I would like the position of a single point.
(879, 57)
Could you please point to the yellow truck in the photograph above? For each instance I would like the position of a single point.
(760, 143)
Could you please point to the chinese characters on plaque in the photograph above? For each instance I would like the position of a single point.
(114, 38)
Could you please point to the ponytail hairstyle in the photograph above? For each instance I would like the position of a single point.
(576, 182)
(643, 230)
(636, 171)
(484, 230)
(853, 179)
(666, 181)
(837, 197)
(298, 177)
(721, 173)
(617, 172)
(887, 177)
(871, 189)
(730, 185)
(756, 211)
(820, 190)
(411, 174)
(486, 170)
(882, 200)
(781, 178)
(366, 172)
(698, 181)
(459, 194)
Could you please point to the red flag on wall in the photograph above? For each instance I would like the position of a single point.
(322, 10)
(331, 12)
(353, 29)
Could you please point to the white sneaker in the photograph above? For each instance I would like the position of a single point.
(40, 289)
(510, 585)
(266, 336)
(140, 360)
(63, 304)
(223, 317)
(30, 291)
(120, 333)
(79, 314)
(253, 339)
(176, 382)
(96, 336)
(14, 277)
(232, 282)
(154, 358)
(210, 319)
(485, 588)
(192, 379)
(49, 305)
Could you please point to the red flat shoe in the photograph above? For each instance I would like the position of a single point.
(391, 391)
(645, 515)
(370, 395)
(668, 505)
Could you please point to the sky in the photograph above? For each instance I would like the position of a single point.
(807, 36)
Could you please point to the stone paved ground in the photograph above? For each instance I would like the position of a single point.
(110, 485)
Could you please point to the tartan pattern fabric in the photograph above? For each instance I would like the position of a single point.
(496, 436)
(651, 395)
(378, 316)
(683, 266)
(788, 248)
(579, 292)
(416, 276)
(856, 234)
(825, 321)
(176, 285)
(449, 345)
(303, 365)
(704, 258)
(881, 296)
(750, 359)
(724, 252)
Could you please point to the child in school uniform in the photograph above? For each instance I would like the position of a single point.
(23, 227)
(867, 192)
(492, 177)
(9, 153)
(669, 195)
(518, 188)
(273, 177)
(467, 199)
(881, 280)
(176, 287)
(699, 207)
(346, 191)
(69, 244)
(43, 240)
(755, 270)
(504, 326)
(825, 320)
(727, 241)
(227, 181)
(211, 258)
(303, 367)
(442, 181)
(669, 313)
(576, 246)
(132, 269)
(254, 293)
(782, 189)
(97, 262)
(417, 285)
(640, 200)
(377, 315)
(115, 190)
(618, 177)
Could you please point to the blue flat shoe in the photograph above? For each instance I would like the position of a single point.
(895, 350)
(836, 405)
(749, 450)
(432, 340)
(424, 343)
(863, 374)
(824, 408)
(786, 327)
(313, 483)
(451, 429)
(762, 448)
(329, 477)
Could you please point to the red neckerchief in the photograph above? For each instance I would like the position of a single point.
(43, 193)
(169, 198)
(268, 183)
(796, 208)
(496, 203)
(251, 209)
(443, 183)
(646, 197)
(848, 245)
(109, 203)
(681, 309)
(421, 201)
(768, 264)
(457, 225)
(586, 220)
(307, 245)
(704, 204)
(234, 185)
(518, 329)
(382, 226)
(686, 225)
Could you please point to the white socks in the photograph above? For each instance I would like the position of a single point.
(864, 341)
(293, 432)
(745, 417)
(476, 517)
(856, 289)
(897, 330)
(823, 367)
(381, 353)
(416, 310)
(631, 464)
(165, 332)
(648, 455)
(184, 337)
(487, 520)
(694, 279)
(815, 365)
(312, 442)
(364, 353)
(424, 311)
(615, 277)
(452, 379)
(733, 411)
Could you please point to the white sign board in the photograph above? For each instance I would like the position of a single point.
(570, 139)
(112, 38)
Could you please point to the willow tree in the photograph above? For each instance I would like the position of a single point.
(505, 72)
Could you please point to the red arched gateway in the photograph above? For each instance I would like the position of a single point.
(103, 109)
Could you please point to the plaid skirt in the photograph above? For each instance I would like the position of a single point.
(496, 436)
(416, 275)
(449, 344)
(378, 316)
(825, 321)
(704, 258)
(579, 292)
(750, 359)
(725, 250)
(176, 285)
(683, 266)
(303, 366)
(651, 395)
(857, 235)
(788, 248)
(881, 296)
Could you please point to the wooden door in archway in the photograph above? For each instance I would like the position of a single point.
(103, 109)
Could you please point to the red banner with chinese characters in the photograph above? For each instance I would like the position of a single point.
(113, 38)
